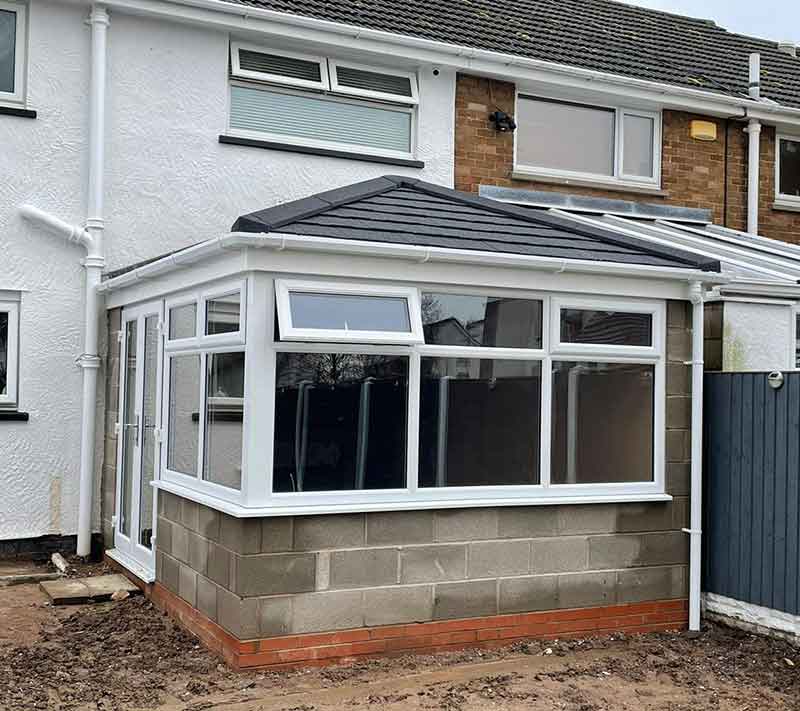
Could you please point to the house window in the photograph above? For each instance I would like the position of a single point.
(576, 141)
(787, 169)
(12, 51)
(318, 102)
(9, 353)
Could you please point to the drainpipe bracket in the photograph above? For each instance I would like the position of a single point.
(694, 362)
(87, 361)
(753, 127)
(692, 531)
(95, 223)
(97, 262)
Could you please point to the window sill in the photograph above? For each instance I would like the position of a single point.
(614, 185)
(239, 511)
(786, 206)
(13, 416)
(309, 150)
(17, 111)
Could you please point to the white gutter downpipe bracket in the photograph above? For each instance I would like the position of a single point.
(753, 131)
(696, 503)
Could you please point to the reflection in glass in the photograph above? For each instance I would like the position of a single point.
(602, 422)
(638, 145)
(130, 429)
(479, 422)
(340, 422)
(459, 320)
(223, 314)
(183, 321)
(8, 42)
(789, 167)
(184, 404)
(350, 312)
(617, 328)
(3, 353)
(222, 461)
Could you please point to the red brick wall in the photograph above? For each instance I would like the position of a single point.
(693, 172)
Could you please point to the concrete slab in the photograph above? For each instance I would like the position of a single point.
(74, 591)
(20, 573)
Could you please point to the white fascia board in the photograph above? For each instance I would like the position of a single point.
(423, 255)
(231, 17)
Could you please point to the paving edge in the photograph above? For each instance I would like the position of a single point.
(317, 649)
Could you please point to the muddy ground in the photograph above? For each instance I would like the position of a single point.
(125, 655)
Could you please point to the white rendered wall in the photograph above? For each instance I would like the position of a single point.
(170, 183)
(757, 336)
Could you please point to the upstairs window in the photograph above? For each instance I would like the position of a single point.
(578, 141)
(12, 51)
(318, 102)
(9, 353)
(787, 169)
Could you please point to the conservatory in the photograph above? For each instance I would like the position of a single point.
(393, 400)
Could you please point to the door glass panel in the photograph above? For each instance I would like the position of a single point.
(130, 430)
(149, 395)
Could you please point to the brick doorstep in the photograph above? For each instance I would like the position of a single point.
(481, 632)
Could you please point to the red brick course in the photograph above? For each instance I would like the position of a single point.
(693, 172)
(484, 632)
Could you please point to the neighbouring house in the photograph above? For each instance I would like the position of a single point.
(441, 367)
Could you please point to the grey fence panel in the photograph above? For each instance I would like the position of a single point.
(752, 489)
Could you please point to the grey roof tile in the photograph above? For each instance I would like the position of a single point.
(594, 34)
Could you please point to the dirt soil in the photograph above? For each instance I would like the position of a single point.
(126, 655)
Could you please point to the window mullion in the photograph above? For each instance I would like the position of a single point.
(202, 415)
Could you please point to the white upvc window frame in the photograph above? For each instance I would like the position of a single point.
(236, 70)
(289, 332)
(333, 66)
(11, 399)
(20, 51)
(619, 178)
(791, 201)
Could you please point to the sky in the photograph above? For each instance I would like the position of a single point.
(771, 19)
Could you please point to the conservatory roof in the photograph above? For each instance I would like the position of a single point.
(405, 211)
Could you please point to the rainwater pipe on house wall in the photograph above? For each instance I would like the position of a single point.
(90, 238)
(753, 131)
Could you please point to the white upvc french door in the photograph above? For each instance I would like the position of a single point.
(138, 445)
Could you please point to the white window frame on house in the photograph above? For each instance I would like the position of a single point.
(20, 50)
(289, 332)
(619, 179)
(262, 345)
(10, 305)
(328, 89)
(781, 200)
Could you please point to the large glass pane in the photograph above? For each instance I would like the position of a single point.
(340, 422)
(3, 353)
(222, 461)
(562, 136)
(223, 314)
(617, 328)
(479, 422)
(458, 320)
(602, 423)
(130, 429)
(790, 167)
(149, 409)
(350, 312)
(184, 408)
(8, 49)
(321, 118)
(183, 321)
(638, 145)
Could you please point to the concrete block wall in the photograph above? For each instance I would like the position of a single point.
(694, 173)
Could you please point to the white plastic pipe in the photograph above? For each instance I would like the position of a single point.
(696, 503)
(753, 147)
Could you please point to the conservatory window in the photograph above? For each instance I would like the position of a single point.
(9, 353)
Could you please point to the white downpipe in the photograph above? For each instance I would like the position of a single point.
(696, 514)
(753, 131)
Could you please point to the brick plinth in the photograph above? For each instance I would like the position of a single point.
(427, 637)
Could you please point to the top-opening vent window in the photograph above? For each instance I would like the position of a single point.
(285, 68)
(364, 81)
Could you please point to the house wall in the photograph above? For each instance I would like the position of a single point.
(693, 172)
(271, 577)
(757, 336)
(170, 183)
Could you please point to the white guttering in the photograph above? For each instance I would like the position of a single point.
(234, 17)
(91, 239)
(414, 253)
(696, 502)
(754, 137)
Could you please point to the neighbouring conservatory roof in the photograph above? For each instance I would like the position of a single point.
(406, 211)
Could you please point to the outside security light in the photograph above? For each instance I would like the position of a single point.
(502, 121)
